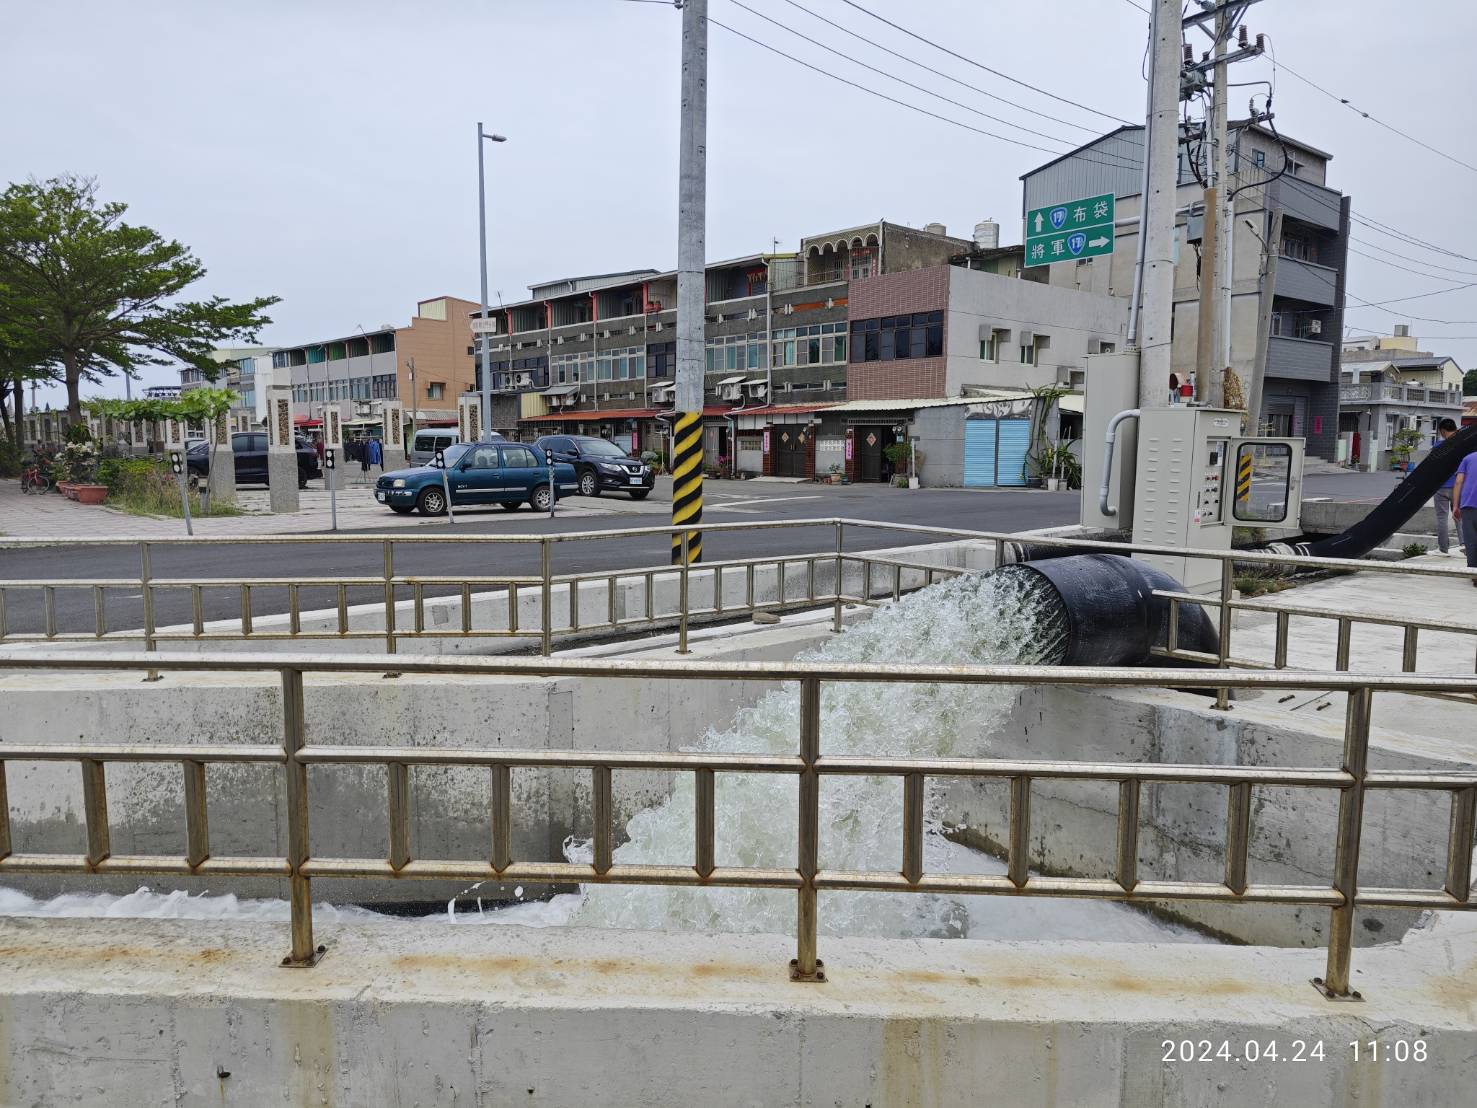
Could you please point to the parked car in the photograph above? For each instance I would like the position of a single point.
(250, 450)
(600, 464)
(500, 472)
(427, 441)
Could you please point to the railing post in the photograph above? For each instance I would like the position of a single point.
(840, 546)
(389, 596)
(805, 966)
(1335, 983)
(303, 953)
(145, 578)
(546, 600)
(682, 586)
(1458, 882)
(1228, 588)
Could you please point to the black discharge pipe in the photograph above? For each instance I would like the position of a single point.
(1396, 510)
(1110, 612)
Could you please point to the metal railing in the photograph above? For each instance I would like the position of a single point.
(296, 754)
(834, 578)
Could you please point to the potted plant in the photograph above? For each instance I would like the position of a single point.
(76, 469)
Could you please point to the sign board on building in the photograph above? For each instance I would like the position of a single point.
(482, 326)
(1065, 232)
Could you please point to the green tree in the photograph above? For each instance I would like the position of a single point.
(1469, 383)
(101, 296)
(19, 367)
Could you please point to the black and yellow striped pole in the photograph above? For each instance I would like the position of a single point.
(687, 485)
(1243, 477)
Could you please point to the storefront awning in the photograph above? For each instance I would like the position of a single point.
(562, 390)
(731, 381)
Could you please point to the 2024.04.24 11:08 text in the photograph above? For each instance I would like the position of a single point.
(1298, 1050)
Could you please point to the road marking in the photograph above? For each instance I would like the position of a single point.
(762, 500)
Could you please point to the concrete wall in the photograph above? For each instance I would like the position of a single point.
(1065, 317)
(133, 1013)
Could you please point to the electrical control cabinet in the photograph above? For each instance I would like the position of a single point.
(1198, 479)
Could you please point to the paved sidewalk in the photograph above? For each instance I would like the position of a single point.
(53, 516)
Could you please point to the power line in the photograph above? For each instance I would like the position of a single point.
(892, 76)
(1408, 258)
(979, 65)
(912, 107)
(937, 72)
(1406, 268)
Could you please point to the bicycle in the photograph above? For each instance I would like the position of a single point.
(35, 480)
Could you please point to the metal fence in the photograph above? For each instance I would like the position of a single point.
(716, 590)
(296, 754)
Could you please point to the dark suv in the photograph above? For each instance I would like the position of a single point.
(250, 449)
(600, 464)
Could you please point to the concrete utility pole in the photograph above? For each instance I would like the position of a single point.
(484, 433)
(1162, 126)
(1270, 247)
(687, 434)
(1216, 242)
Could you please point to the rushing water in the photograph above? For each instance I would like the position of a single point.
(1008, 617)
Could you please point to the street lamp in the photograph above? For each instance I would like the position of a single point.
(485, 432)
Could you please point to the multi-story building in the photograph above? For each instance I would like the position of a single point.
(246, 371)
(424, 366)
(1287, 297)
(1387, 385)
(597, 354)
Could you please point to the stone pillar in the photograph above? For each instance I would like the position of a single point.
(222, 462)
(281, 450)
(810, 436)
(849, 448)
(393, 446)
(469, 417)
(767, 443)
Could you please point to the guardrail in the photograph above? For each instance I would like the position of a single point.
(296, 754)
(832, 578)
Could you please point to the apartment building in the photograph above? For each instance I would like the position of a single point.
(424, 366)
(1387, 384)
(1287, 297)
(597, 354)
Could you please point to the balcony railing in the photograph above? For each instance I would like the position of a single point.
(1377, 392)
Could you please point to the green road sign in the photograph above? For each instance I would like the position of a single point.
(1065, 232)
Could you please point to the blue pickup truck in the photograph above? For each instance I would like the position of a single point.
(477, 473)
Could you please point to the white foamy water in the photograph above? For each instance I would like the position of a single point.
(998, 618)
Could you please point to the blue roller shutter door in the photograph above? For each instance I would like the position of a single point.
(979, 453)
(995, 452)
(1014, 441)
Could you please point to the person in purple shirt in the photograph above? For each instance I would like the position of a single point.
(1444, 430)
(1464, 507)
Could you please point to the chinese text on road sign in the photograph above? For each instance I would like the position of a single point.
(1066, 232)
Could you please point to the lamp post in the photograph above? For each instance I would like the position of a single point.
(485, 431)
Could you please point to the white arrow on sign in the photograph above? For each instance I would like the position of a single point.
(1097, 242)
(1038, 223)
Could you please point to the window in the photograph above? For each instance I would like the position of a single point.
(735, 353)
(991, 347)
(483, 457)
(661, 359)
(382, 386)
(621, 364)
(519, 457)
(815, 344)
(1263, 481)
(1298, 248)
(1259, 158)
(436, 390)
(1028, 353)
(891, 338)
(863, 264)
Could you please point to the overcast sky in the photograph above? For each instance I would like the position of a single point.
(325, 152)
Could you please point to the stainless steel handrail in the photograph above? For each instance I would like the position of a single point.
(296, 754)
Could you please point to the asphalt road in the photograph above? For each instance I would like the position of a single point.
(991, 510)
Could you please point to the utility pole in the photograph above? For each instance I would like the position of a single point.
(415, 407)
(1157, 216)
(1215, 243)
(1268, 283)
(687, 433)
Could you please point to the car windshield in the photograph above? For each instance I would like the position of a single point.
(600, 448)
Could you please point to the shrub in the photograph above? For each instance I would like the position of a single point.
(76, 462)
(1413, 549)
(148, 487)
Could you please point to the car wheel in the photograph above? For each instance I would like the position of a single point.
(542, 499)
(402, 509)
(511, 505)
(432, 502)
(640, 494)
(589, 483)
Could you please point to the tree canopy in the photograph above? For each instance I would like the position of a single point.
(93, 296)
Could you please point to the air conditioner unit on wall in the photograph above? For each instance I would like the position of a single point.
(1315, 326)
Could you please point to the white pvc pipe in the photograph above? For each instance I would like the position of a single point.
(1102, 496)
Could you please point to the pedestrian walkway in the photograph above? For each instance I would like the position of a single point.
(53, 516)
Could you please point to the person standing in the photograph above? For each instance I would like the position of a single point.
(363, 458)
(1464, 507)
(1444, 430)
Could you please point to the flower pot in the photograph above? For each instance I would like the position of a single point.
(90, 494)
(1052, 484)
